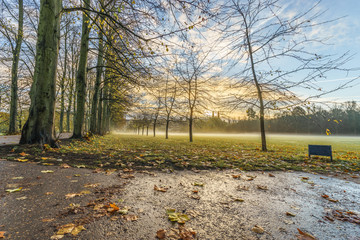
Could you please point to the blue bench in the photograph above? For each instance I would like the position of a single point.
(320, 150)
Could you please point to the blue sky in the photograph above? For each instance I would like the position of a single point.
(345, 36)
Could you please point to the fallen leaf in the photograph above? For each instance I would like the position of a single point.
(161, 234)
(23, 154)
(236, 176)
(262, 187)
(258, 229)
(21, 198)
(2, 233)
(21, 160)
(305, 178)
(126, 176)
(64, 165)
(271, 175)
(49, 193)
(80, 166)
(130, 217)
(250, 178)
(239, 200)
(114, 218)
(14, 190)
(198, 184)
(77, 175)
(72, 195)
(47, 219)
(47, 171)
(77, 230)
(305, 235)
(16, 178)
(56, 237)
(290, 214)
(91, 185)
(65, 229)
(177, 217)
(160, 189)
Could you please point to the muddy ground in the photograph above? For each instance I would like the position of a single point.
(222, 205)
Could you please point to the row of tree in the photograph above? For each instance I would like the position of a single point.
(88, 65)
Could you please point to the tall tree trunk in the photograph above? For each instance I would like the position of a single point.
(14, 71)
(167, 127)
(81, 76)
(99, 118)
(62, 85)
(95, 100)
(154, 126)
(104, 110)
(191, 125)
(39, 126)
(259, 91)
(68, 112)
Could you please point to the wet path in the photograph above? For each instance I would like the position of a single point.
(223, 205)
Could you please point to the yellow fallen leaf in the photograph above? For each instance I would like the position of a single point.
(21, 160)
(67, 228)
(2, 234)
(47, 171)
(77, 230)
(14, 190)
(47, 219)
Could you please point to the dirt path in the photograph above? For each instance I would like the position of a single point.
(224, 205)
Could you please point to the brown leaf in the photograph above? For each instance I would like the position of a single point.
(258, 229)
(2, 234)
(130, 217)
(236, 176)
(64, 165)
(305, 235)
(271, 175)
(47, 219)
(160, 189)
(262, 187)
(161, 234)
(67, 228)
(126, 176)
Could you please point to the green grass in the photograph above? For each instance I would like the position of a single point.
(233, 151)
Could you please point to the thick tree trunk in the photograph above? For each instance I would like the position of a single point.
(95, 100)
(81, 76)
(39, 127)
(14, 71)
(147, 130)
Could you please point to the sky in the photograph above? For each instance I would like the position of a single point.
(345, 36)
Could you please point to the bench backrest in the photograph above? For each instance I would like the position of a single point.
(320, 150)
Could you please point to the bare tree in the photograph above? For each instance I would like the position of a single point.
(275, 52)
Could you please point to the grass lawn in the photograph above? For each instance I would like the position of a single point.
(286, 152)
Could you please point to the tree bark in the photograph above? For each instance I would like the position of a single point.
(95, 100)
(259, 91)
(167, 128)
(62, 84)
(14, 71)
(191, 125)
(81, 76)
(99, 117)
(39, 126)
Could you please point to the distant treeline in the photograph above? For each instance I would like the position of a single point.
(343, 119)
